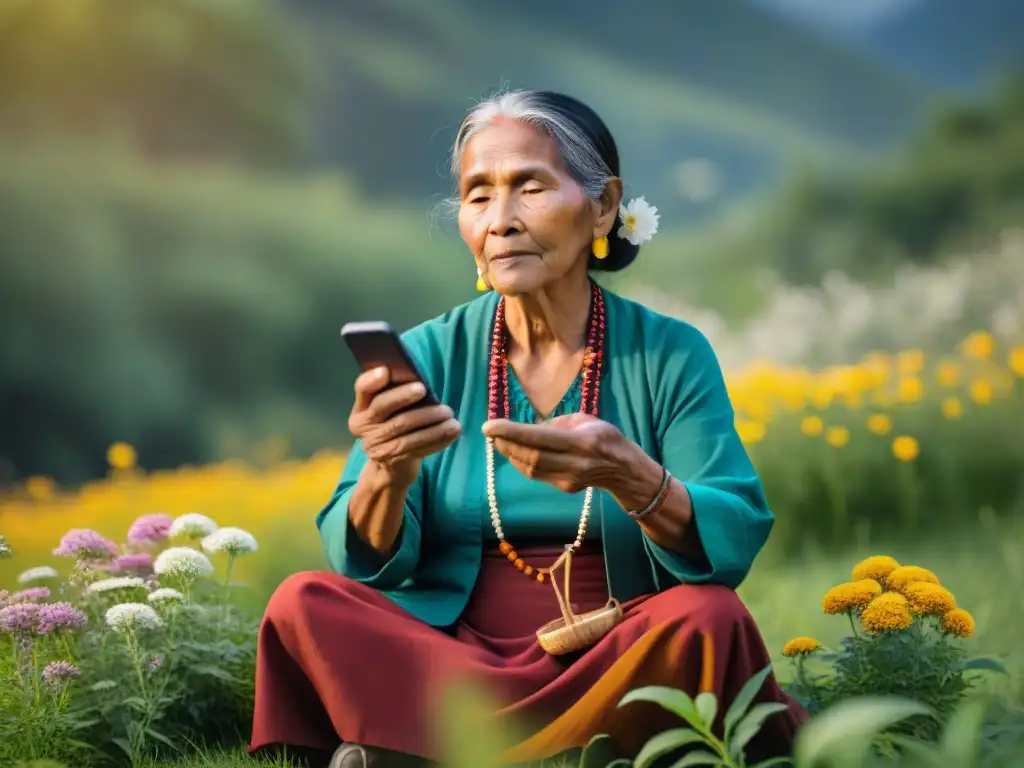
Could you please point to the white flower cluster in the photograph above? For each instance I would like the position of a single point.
(127, 617)
(922, 307)
(40, 573)
(232, 541)
(183, 562)
(192, 526)
(165, 595)
(116, 582)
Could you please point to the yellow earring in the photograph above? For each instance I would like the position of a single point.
(600, 247)
(480, 284)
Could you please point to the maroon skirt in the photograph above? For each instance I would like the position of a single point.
(339, 662)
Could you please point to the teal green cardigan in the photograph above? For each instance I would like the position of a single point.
(662, 387)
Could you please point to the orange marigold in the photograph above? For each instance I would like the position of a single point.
(876, 567)
(800, 646)
(909, 574)
(886, 613)
(929, 599)
(958, 622)
(850, 596)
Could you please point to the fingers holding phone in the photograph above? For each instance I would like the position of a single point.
(395, 430)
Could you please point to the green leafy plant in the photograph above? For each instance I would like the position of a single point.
(741, 723)
(849, 733)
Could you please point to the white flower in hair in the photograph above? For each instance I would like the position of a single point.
(639, 221)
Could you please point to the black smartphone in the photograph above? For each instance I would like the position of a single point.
(375, 344)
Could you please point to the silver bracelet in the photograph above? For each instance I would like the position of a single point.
(657, 501)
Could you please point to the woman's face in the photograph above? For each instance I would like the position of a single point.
(525, 219)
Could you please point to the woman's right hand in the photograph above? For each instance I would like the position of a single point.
(397, 444)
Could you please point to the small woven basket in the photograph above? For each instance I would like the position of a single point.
(574, 632)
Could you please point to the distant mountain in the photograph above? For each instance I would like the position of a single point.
(953, 43)
(725, 81)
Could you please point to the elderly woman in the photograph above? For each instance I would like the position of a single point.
(571, 416)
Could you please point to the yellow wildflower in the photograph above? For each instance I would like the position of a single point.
(837, 437)
(958, 622)
(750, 432)
(812, 426)
(880, 423)
(800, 646)
(905, 448)
(121, 456)
(929, 599)
(41, 488)
(759, 410)
(821, 396)
(1016, 361)
(981, 391)
(910, 361)
(948, 374)
(909, 574)
(850, 596)
(979, 345)
(911, 390)
(952, 408)
(887, 612)
(876, 567)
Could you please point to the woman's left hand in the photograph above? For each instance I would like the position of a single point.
(570, 452)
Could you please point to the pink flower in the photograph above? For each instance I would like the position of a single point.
(19, 619)
(40, 618)
(84, 543)
(150, 529)
(57, 617)
(57, 673)
(140, 563)
(30, 595)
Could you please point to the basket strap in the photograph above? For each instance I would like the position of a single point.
(563, 604)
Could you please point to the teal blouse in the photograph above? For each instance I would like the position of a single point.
(661, 386)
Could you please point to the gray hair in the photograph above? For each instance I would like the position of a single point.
(581, 156)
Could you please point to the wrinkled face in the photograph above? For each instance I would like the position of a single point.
(525, 219)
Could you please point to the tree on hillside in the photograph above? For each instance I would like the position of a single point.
(178, 77)
(959, 181)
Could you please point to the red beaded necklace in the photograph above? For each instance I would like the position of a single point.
(498, 408)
